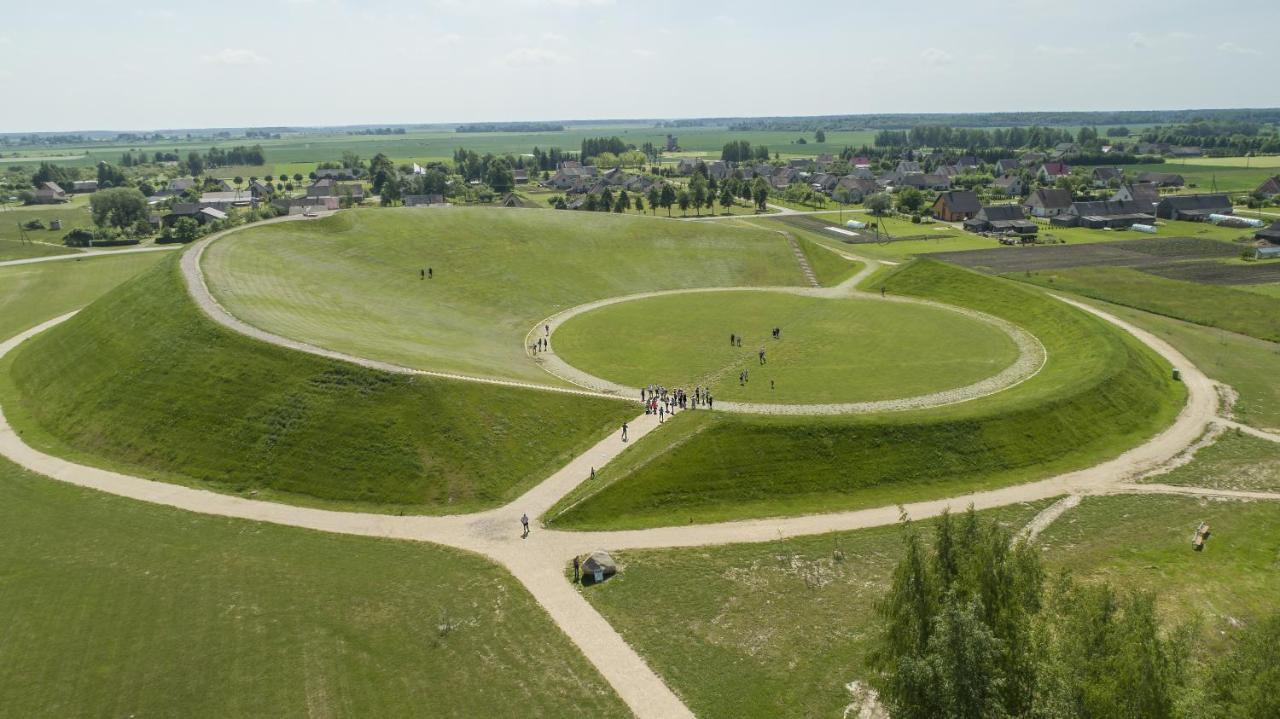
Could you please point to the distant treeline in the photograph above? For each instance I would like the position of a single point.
(511, 127)
(1002, 119)
(377, 131)
(1237, 136)
(971, 138)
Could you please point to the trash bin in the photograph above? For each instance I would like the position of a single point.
(1177, 375)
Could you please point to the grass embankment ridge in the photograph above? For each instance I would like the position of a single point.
(112, 607)
(830, 268)
(141, 381)
(1099, 393)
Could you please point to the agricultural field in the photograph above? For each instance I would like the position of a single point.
(114, 607)
(1098, 394)
(1207, 174)
(352, 282)
(264, 421)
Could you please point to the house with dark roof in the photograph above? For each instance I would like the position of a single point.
(1010, 185)
(261, 190)
(1002, 219)
(1007, 166)
(50, 193)
(1142, 192)
(1047, 202)
(1270, 234)
(84, 186)
(956, 206)
(1097, 215)
(854, 188)
(1162, 179)
(1104, 176)
(1195, 208)
(336, 173)
(179, 185)
(908, 166)
(823, 182)
(968, 162)
(1051, 171)
(520, 175)
(925, 181)
(1270, 188)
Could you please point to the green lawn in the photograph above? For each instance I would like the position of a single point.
(760, 630)
(830, 268)
(1100, 393)
(110, 607)
(351, 282)
(1249, 365)
(1235, 461)
(31, 294)
(41, 243)
(1268, 290)
(1204, 304)
(142, 381)
(831, 350)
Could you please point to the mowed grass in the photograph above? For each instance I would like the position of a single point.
(31, 294)
(1099, 393)
(1234, 461)
(1249, 365)
(112, 607)
(143, 382)
(39, 243)
(830, 350)
(352, 282)
(1203, 304)
(780, 629)
(776, 629)
(830, 268)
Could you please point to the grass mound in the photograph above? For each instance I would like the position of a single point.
(352, 282)
(1099, 393)
(112, 607)
(142, 381)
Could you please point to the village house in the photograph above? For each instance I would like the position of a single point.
(1269, 234)
(50, 193)
(823, 182)
(1195, 208)
(261, 190)
(520, 175)
(1010, 185)
(1144, 193)
(855, 189)
(337, 173)
(1007, 166)
(329, 187)
(1051, 171)
(1003, 219)
(1047, 202)
(1097, 215)
(179, 185)
(908, 166)
(922, 181)
(1104, 176)
(1162, 179)
(720, 170)
(84, 186)
(1270, 188)
(956, 206)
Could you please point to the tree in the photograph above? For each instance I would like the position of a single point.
(1245, 683)
(186, 230)
(910, 200)
(726, 196)
(237, 181)
(760, 193)
(606, 199)
(820, 136)
(654, 198)
(879, 203)
(118, 207)
(195, 163)
(667, 198)
(49, 172)
(110, 176)
(624, 201)
(640, 204)
(500, 176)
(684, 199)
(697, 193)
(391, 191)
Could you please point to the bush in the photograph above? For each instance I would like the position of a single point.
(33, 225)
(78, 237)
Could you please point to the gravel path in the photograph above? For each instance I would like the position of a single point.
(87, 254)
(539, 561)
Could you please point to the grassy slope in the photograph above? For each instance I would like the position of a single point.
(141, 380)
(1249, 365)
(1100, 393)
(831, 269)
(1210, 305)
(31, 294)
(831, 350)
(115, 608)
(351, 282)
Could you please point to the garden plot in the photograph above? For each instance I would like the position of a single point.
(1140, 254)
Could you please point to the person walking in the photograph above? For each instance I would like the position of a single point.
(593, 472)
(524, 522)
(624, 431)
(576, 568)
(733, 341)
(882, 290)
(422, 275)
(661, 409)
(430, 273)
(547, 328)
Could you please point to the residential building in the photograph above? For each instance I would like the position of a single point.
(1047, 202)
(1003, 219)
(1105, 213)
(1011, 185)
(956, 206)
(84, 186)
(1270, 234)
(1104, 176)
(1051, 171)
(49, 193)
(1007, 166)
(1162, 179)
(1270, 188)
(1195, 208)
(1142, 192)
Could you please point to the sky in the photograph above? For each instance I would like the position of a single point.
(143, 65)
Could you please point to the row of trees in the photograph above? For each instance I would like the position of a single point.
(701, 193)
(742, 151)
(974, 628)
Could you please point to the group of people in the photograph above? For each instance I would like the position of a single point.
(542, 344)
(662, 402)
(426, 273)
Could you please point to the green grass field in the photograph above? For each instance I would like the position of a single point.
(831, 350)
(111, 607)
(142, 381)
(1204, 304)
(1099, 393)
(763, 630)
(40, 243)
(31, 294)
(1235, 461)
(830, 268)
(351, 282)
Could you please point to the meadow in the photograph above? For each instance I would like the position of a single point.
(352, 282)
(830, 350)
(112, 607)
(31, 294)
(1099, 393)
(40, 243)
(141, 381)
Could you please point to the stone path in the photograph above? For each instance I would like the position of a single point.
(540, 560)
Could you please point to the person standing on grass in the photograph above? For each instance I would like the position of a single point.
(710, 401)
(524, 522)
(430, 273)
(422, 275)
(733, 341)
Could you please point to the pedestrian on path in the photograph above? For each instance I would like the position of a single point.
(576, 568)
(593, 472)
(624, 431)
(524, 521)
(661, 411)
(547, 328)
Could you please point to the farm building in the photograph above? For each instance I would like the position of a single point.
(84, 186)
(1162, 179)
(1105, 213)
(49, 193)
(1270, 188)
(1002, 219)
(1047, 202)
(1270, 234)
(923, 181)
(1195, 208)
(956, 206)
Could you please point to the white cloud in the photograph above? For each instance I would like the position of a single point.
(1059, 51)
(1144, 40)
(1237, 49)
(533, 57)
(235, 56)
(936, 57)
